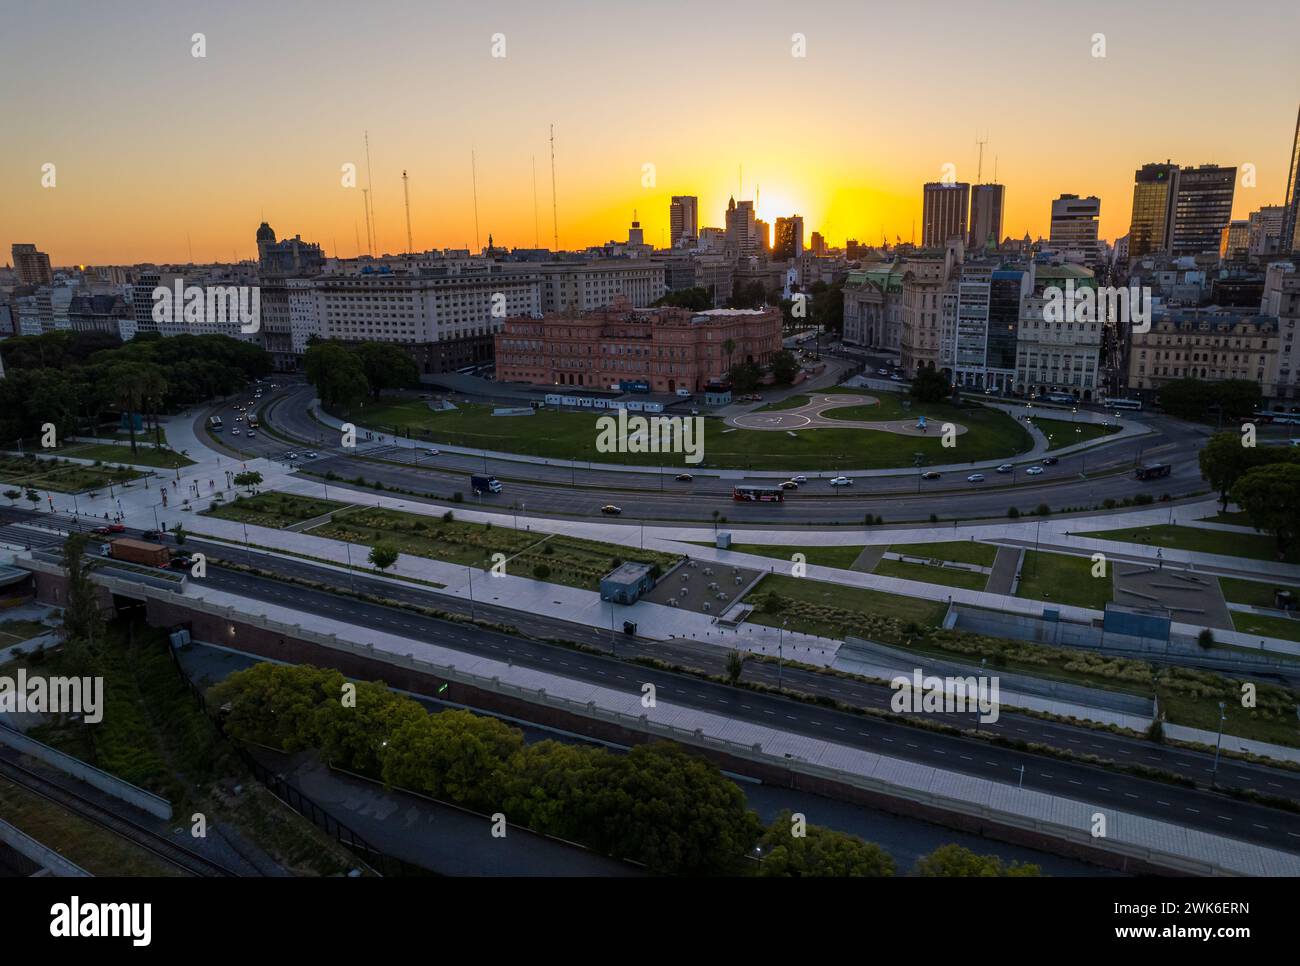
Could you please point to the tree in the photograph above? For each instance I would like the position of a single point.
(696, 299)
(1205, 639)
(337, 374)
(83, 624)
(1224, 461)
(124, 383)
(729, 347)
(33, 496)
(953, 860)
(249, 479)
(383, 556)
(12, 496)
(735, 666)
(784, 367)
(387, 365)
(179, 535)
(744, 376)
(819, 852)
(930, 386)
(1270, 495)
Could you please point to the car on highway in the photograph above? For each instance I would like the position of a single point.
(432, 452)
(1034, 471)
(236, 431)
(800, 479)
(789, 485)
(109, 528)
(895, 377)
(181, 561)
(611, 509)
(882, 371)
(291, 456)
(252, 435)
(1050, 460)
(150, 535)
(931, 475)
(684, 478)
(1006, 468)
(975, 478)
(841, 481)
(311, 455)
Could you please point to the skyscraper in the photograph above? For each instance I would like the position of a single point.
(32, 267)
(1291, 218)
(986, 215)
(944, 212)
(1152, 225)
(789, 237)
(1074, 226)
(684, 219)
(1202, 208)
(742, 235)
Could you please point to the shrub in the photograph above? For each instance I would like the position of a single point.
(448, 517)
(1043, 510)
(541, 571)
(1205, 639)
(1013, 513)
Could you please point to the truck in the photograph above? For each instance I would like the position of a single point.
(214, 424)
(139, 552)
(1152, 471)
(484, 484)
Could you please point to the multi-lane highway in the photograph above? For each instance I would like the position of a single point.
(1080, 480)
(1194, 807)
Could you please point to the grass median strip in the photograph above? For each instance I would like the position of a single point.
(1256, 546)
(1062, 579)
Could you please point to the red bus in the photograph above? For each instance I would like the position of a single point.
(758, 494)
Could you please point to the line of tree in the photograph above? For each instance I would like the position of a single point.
(1264, 481)
(657, 804)
(73, 379)
(1198, 400)
(345, 374)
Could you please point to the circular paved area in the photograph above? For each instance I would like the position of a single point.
(809, 416)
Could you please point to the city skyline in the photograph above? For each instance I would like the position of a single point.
(256, 131)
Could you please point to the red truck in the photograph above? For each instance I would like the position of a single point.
(139, 552)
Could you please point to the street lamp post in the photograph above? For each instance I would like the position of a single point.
(470, 571)
(1218, 741)
(780, 653)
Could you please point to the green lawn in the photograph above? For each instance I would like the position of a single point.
(1065, 433)
(1255, 592)
(833, 556)
(569, 435)
(958, 551)
(143, 456)
(273, 509)
(833, 610)
(59, 475)
(792, 402)
(1265, 625)
(1062, 579)
(929, 574)
(567, 560)
(1238, 518)
(1257, 546)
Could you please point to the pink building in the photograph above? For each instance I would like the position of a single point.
(668, 348)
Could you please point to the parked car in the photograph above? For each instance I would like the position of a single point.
(1005, 468)
(611, 509)
(931, 475)
(789, 485)
(1034, 471)
(684, 478)
(975, 478)
(841, 481)
(1050, 460)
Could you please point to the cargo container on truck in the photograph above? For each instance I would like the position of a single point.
(139, 552)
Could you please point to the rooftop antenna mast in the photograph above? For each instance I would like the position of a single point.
(537, 235)
(995, 169)
(356, 233)
(473, 176)
(370, 198)
(406, 191)
(555, 211)
(979, 170)
(365, 203)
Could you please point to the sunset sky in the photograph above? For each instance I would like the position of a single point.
(151, 144)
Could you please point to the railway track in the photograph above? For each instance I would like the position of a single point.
(162, 848)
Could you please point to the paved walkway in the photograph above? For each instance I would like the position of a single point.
(1005, 567)
(810, 416)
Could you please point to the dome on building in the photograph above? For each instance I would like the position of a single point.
(265, 234)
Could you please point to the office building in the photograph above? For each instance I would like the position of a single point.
(986, 205)
(1290, 238)
(1202, 208)
(944, 213)
(1264, 230)
(1062, 353)
(684, 220)
(31, 267)
(742, 234)
(1211, 345)
(1074, 228)
(1235, 241)
(789, 238)
(1151, 225)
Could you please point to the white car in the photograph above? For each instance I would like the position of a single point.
(430, 452)
(1005, 468)
(895, 378)
(291, 456)
(975, 478)
(1034, 471)
(252, 435)
(311, 455)
(841, 481)
(799, 479)
(235, 431)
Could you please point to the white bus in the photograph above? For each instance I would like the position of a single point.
(1123, 404)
